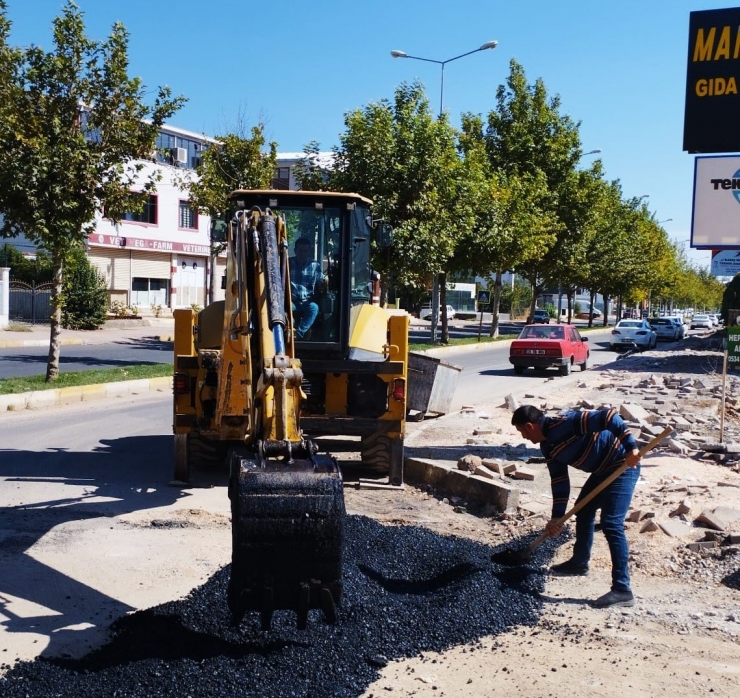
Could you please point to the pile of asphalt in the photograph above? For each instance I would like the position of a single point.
(406, 591)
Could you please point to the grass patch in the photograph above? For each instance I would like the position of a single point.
(17, 327)
(9, 386)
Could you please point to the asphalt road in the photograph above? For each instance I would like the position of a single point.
(31, 361)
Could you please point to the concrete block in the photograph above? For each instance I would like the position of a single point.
(684, 507)
(522, 473)
(499, 466)
(10, 403)
(117, 389)
(535, 508)
(732, 539)
(93, 392)
(41, 399)
(727, 514)
(425, 470)
(472, 488)
(711, 520)
(482, 471)
(702, 545)
(631, 412)
(70, 395)
(649, 526)
(511, 402)
(674, 529)
(502, 495)
(634, 516)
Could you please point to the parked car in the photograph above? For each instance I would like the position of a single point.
(701, 321)
(677, 320)
(665, 328)
(426, 313)
(541, 347)
(541, 316)
(633, 333)
(717, 318)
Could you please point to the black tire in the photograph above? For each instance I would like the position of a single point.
(180, 458)
(565, 369)
(518, 370)
(376, 452)
(584, 365)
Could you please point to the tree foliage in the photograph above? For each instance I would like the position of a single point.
(405, 160)
(72, 124)
(85, 304)
(235, 161)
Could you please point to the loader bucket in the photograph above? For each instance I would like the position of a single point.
(287, 530)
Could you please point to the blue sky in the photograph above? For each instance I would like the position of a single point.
(619, 68)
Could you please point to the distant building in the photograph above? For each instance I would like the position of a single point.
(161, 256)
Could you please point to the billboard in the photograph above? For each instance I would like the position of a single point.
(715, 220)
(713, 82)
(726, 263)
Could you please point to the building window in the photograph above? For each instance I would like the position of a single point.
(147, 215)
(281, 178)
(188, 216)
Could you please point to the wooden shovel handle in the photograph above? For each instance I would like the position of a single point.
(601, 486)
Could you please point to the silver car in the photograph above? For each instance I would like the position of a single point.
(701, 322)
(665, 328)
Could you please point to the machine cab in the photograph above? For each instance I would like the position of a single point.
(329, 237)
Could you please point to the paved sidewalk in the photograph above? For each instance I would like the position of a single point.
(112, 331)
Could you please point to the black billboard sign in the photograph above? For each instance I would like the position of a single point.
(712, 110)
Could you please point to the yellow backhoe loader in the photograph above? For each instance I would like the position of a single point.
(297, 345)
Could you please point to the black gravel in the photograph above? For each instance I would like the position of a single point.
(406, 591)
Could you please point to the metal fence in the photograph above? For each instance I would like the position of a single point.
(30, 302)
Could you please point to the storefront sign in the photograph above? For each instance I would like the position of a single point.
(129, 243)
(713, 82)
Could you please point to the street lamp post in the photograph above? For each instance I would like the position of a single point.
(402, 54)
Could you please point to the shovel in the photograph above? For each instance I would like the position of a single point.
(521, 557)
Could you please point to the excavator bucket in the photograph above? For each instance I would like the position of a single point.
(287, 528)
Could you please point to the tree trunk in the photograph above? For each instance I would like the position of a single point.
(445, 337)
(496, 303)
(52, 365)
(591, 297)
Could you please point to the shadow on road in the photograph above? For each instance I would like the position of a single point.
(105, 483)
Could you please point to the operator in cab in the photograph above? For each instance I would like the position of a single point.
(306, 280)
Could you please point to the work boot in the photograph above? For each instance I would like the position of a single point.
(569, 569)
(615, 598)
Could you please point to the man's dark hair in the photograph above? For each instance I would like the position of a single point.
(526, 414)
(302, 241)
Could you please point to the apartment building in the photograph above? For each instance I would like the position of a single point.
(160, 256)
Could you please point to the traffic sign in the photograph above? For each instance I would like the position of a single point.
(484, 297)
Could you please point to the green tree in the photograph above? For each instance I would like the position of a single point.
(405, 159)
(514, 223)
(72, 125)
(29, 270)
(527, 135)
(235, 161)
(85, 294)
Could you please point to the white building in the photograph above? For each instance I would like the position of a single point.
(161, 257)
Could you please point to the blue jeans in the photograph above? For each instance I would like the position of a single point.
(614, 503)
(304, 315)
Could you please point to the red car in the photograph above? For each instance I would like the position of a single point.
(544, 346)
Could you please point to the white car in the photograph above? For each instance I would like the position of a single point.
(426, 313)
(633, 333)
(703, 322)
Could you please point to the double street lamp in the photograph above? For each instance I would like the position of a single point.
(402, 54)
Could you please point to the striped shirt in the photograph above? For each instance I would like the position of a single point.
(595, 441)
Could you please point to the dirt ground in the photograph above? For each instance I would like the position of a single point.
(682, 638)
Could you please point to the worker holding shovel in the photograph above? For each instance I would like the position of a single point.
(597, 442)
